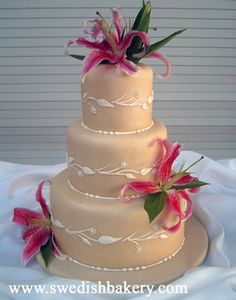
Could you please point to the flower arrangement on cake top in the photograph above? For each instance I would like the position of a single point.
(120, 44)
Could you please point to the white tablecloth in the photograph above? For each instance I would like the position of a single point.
(215, 206)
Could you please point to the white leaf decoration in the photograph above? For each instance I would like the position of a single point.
(130, 176)
(86, 241)
(85, 95)
(145, 171)
(150, 99)
(163, 236)
(106, 239)
(144, 106)
(87, 171)
(58, 224)
(104, 103)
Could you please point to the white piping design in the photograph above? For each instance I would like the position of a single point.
(117, 132)
(120, 170)
(134, 238)
(128, 268)
(135, 99)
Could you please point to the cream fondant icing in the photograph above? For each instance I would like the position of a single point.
(110, 89)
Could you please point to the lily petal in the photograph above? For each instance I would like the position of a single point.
(143, 187)
(41, 200)
(84, 26)
(189, 209)
(81, 41)
(164, 169)
(174, 198)
(56, 251)
(29, 231)
(194, 190)
(185, 180)
(166, 62)
(174, 206)
(117, 21)
(108, 35)
(166, 149)
(127, 66)
(34, 243)
(129, 37)
(174, 202)
(24, 216)
(94, 32)
(94, 58)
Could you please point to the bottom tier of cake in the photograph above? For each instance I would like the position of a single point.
(108, 234)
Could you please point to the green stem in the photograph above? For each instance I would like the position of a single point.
(194, 163)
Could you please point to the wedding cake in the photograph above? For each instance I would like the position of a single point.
(119, 205)
(112, 145)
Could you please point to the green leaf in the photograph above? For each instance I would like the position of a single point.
(80, 57)
(46, 251)
(123, 34)
(141, 23)
(190, 185)
(154, 203)
(162, 43)
(143, 17)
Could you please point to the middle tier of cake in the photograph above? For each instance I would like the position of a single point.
(101, 164)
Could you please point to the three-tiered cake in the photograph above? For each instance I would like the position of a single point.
(112, 145)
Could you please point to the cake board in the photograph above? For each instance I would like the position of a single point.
(191, 255)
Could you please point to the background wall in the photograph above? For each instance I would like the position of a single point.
(39, 87)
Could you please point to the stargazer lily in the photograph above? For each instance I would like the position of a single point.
(168, 189)
(38, 232)
(110, 45)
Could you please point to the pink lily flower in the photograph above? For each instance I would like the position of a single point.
(166, 180)
(112, 46)
(164, 59)
(38, 227)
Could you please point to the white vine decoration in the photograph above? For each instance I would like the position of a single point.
(121, 170)
(86, 236)
(135, 100)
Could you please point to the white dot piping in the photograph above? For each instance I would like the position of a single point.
(128, 268)
(117, 132)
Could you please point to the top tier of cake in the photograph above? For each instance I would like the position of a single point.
(106, 94)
